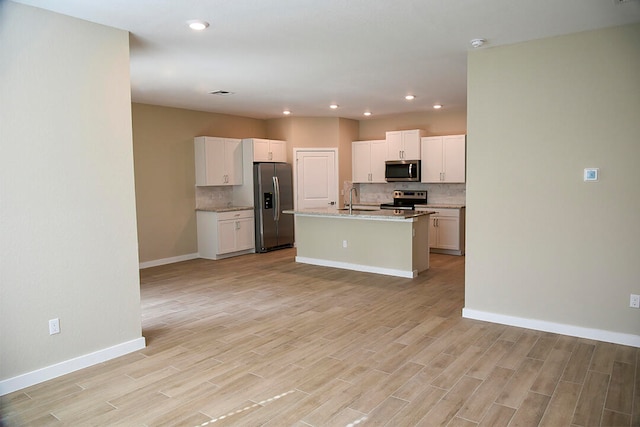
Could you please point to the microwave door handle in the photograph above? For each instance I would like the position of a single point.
(410, 171)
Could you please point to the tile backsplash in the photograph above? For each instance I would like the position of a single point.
(383, 193)
(214, 197)
(222, 196)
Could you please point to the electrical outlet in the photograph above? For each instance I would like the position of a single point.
(634, 301)
(54, 326)
(344, 243)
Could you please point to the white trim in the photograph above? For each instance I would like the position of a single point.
(44, 374)
(559, 328)
(358, 267)
(165, 261)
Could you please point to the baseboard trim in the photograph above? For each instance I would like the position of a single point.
(558, 328)
(357, 267)
(165, 261)
(49, 372)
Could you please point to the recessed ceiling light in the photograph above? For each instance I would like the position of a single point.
(333, 106)
(367, 113)
(197, 25)
(437, 106)
(286, 112)
(410, 97)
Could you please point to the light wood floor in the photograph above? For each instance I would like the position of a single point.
(260, 340)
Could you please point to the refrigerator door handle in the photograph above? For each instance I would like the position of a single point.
(276, 191)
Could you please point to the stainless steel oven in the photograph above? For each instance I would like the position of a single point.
(406, 200)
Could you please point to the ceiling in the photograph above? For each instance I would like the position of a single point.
(302, 55)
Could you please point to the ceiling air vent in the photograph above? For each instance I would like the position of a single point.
(221, 92)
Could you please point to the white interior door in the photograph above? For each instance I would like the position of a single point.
(316, 179)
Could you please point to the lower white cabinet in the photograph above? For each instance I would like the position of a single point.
(225, 234)
(446, 230)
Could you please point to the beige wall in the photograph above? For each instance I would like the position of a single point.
(541, 243)
(318, 132)
(443, 122)
(68, 248)
(165, 174)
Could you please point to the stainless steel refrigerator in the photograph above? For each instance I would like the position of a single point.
(273, 193)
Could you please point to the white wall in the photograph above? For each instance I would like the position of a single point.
(68, 246)
(545, 248)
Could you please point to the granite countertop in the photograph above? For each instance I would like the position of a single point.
(442, 205)
(380, 215)
(226, 209)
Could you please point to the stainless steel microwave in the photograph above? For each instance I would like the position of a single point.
(402, 170)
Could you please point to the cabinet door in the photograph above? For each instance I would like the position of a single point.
(411, 144)
(215, 162)
(245, 234)
(261, 150)
(433, 232)
(454, 158)
(448, 233)
(394, 143)
(378, 157)
(226, 236)
(233, 162)
(432, 159)
(360, 161)
(278, 150)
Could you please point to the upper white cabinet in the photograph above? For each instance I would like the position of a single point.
(218, 161)
(444, 159)
(404, 144)
(268, 150)
(368, 159)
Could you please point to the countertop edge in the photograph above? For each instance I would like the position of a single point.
(442, 205)
(225, 209)
(380, 215)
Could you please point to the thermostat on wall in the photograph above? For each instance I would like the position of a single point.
(591, 174)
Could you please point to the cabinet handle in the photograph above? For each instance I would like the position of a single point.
(237, 225)
(270, 155)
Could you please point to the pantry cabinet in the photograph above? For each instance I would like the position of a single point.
(367, 161)
(444, 159)
(225, 234)
(268, 150)
(218, 161)
(404, 144)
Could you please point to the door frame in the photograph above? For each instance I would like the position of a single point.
(315, 150)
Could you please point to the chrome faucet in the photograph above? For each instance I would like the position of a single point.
(351, 191)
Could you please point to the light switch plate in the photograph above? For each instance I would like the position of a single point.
(591, 174)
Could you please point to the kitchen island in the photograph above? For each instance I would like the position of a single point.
(387, 242)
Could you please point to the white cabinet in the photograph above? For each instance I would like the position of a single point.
(268, 150)
(224, 234)
(444, 159)
(404, 144)
(367, 160)
(446, 230)
(218, 161)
